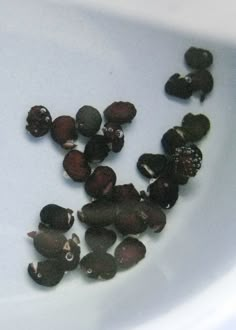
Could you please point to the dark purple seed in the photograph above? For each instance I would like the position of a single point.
(153, 215)
(48, 243)
(46, 273)
(96, 149)
(187, 160)
(164, 192)
(115, 136)
(88, 120)
(39, 121)
(171, 140)
(100, 239)
(99, 265)
(201, 81)
(56, 217)
(76, 166)
(100, 182)
(64, 131)
(178, 86)
(70, 256)
(120, 112)
(129, 220)
(198, 58)
(99, 213)
(196, 125)
(125, 192)
(129, 252)
(151, 166)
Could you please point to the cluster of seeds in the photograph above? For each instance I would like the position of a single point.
(200, 80)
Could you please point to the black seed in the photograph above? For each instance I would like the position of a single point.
(100, 182)
(178, 86)
(48, 243)
(63, 131)
(46, 273)
(171, 140)
(153, 215)
(39, 121)
(88, 120)
(99, 213)
(187, 160)
(69, 258)
(129, 218)
(96, 149)
(129, 252)
(115, 136)
(198, 58)
(150, 165)
(125, 192)
(56, 217)
(99, 265)
(164, 192)
(76, 166)
(100, 239)
(196, 125)
(120, 112)
(201, 81)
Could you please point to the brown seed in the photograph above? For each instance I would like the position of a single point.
(96, 149)
(55, 217)
(39, 121)
(153, 215)
(70, 256)
(122, 193)
(129, 252)
(100, 239)
(115, 137)
(120, 112)
(64, 131)
(76, 166)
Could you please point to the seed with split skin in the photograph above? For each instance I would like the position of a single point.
(201, 81)
(172, 139)
(196, 125)
(39, 121)
(115, 136)
(164, 192)
(120, 112)
(47, 273)
(48, 243)
(150, 165)
(153, 214)
(96, 149)
(76, 166)
(99, 265)
(69, 257)
(129, 219)
(64, 132)
(99, 213)
(179, 86)
(88, 120)
(100, 182)
(56, 217)
(129, 252)
(125, 192)
(100, 239)
(198, 58)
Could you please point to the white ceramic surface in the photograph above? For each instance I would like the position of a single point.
(64, 56)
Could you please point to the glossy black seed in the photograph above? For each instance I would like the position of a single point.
(88, 120)
(198, 58)
(171, 140)
(96, 149)
(201, 81)
(76, 166)
(47, 273)
(100, 182)
(187, 160)
(164, 191)
(100, 239)
(120, 112)
(178, 86)
(129, 252)
(151, 165)
(69, 257)
(129, 219)
(64, 132)
(153, 214)
(115, 136)
(39, 121)
(48, 243)
(99, 213)
(56, 217)
(99, 265)
(125, 192)
(196, 125)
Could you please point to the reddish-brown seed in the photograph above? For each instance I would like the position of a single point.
(153, 215)
(125, 192)
(129, 252)
(120, 112)
(100, 239)
(76, 166)
(64, 131)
